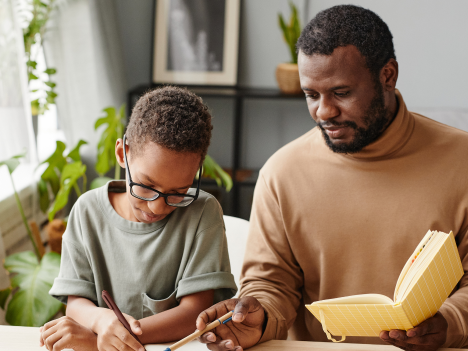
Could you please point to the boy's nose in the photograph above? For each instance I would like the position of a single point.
(157, 206)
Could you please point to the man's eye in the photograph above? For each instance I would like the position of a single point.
(312, 96)
(341, 94)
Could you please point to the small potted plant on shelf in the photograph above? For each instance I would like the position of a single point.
(287, 74)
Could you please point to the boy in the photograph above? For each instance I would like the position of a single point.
(156, 245)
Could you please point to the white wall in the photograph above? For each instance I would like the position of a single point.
(431, 44)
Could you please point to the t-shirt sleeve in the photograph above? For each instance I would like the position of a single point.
(76, 276)
(208, 266)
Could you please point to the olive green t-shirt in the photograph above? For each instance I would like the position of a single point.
(146, 268)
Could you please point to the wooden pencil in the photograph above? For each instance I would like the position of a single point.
(223, 320)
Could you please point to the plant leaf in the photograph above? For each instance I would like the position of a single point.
(32, 305)
(55, 162)
(4, 296)
(106, 145)
(70, 175)
(12, 162)
(211, 169)
(75, 153)
(50, 71)
(44, 200)
(98, 182)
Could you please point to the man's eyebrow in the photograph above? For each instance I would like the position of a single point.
(152, 183)
(340, 87)
(306, 89)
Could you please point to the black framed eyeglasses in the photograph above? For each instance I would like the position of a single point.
(147, 193)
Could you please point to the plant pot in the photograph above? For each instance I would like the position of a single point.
(55, 230)
(287, 76)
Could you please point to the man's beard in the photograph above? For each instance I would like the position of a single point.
(376, 119)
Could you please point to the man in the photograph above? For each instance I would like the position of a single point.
(339, 211)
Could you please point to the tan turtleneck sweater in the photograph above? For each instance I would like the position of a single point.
(327, 225)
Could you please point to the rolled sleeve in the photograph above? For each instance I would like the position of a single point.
(75, 276)
(63, 288)
(208, 266)
(222, 282)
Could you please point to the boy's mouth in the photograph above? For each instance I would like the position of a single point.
(147, 217)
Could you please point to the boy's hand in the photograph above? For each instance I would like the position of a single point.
(430, 335)
(65, 333)
(112, 335)
(244, 331)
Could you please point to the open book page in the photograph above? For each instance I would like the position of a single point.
(409, 262)
(435, 282)
(422, 260)
(360, 319)
(358, 299)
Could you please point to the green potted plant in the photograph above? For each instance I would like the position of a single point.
(31, 276)
(287, 74)
(63, 173)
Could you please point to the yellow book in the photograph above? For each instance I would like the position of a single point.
(427, 279)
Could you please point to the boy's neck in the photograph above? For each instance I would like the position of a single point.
(120, 204)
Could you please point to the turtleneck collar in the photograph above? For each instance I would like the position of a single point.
(392, 139)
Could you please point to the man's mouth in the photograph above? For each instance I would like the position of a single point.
(335, 132)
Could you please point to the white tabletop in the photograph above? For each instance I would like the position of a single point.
(27, 339)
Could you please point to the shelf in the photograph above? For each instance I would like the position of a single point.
(227, 92)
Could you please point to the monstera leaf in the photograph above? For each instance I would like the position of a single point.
(106, 146)
(31, 280)
(68, 180)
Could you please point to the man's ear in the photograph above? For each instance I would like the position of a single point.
(389, 75)
(119, 145)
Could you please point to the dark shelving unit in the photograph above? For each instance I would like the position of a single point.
(238, 94)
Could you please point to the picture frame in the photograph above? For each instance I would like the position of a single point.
(196, 42)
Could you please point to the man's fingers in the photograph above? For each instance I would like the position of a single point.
(213, 313)
(398, 335)
(243, 307)
(207, 338)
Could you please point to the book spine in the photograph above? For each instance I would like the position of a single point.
(404, 320)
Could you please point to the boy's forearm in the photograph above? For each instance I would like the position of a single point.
(176, 323)
(84, 312)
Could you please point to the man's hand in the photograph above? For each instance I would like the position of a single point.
(430, 335)
(244, 331)
(112, 335)
(65, 333)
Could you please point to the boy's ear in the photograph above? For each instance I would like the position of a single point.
(119, 145)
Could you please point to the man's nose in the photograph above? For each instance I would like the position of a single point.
(157, 206)
(326, 109)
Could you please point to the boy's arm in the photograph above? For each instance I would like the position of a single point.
(178, 322)
(105, 324)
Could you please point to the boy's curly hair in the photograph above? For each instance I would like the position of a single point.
(172, 117)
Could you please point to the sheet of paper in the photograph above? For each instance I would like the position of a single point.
(191, 346)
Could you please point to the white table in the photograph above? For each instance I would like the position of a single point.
(27, 339)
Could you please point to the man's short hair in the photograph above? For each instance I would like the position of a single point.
(349, 25)
(172, 117)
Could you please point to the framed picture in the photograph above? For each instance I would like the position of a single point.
(196, 42)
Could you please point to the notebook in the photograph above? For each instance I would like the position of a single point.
(427, 279)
